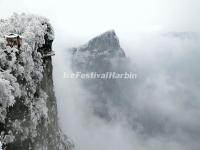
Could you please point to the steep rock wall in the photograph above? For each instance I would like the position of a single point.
(28, 110)
(102, 54)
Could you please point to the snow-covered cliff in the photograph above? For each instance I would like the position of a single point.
(28, 110)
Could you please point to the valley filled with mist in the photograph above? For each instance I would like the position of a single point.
(157, 110)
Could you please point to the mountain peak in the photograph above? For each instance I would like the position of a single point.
(109, 33)
(106, 44)
(98, 52)
(107, 40)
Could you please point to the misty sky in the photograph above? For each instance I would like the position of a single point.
(91, 17)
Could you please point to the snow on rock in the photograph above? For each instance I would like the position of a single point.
(28, 111)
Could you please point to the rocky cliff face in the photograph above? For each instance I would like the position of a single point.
(28, 110)
(96, 55)
(100, 55)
